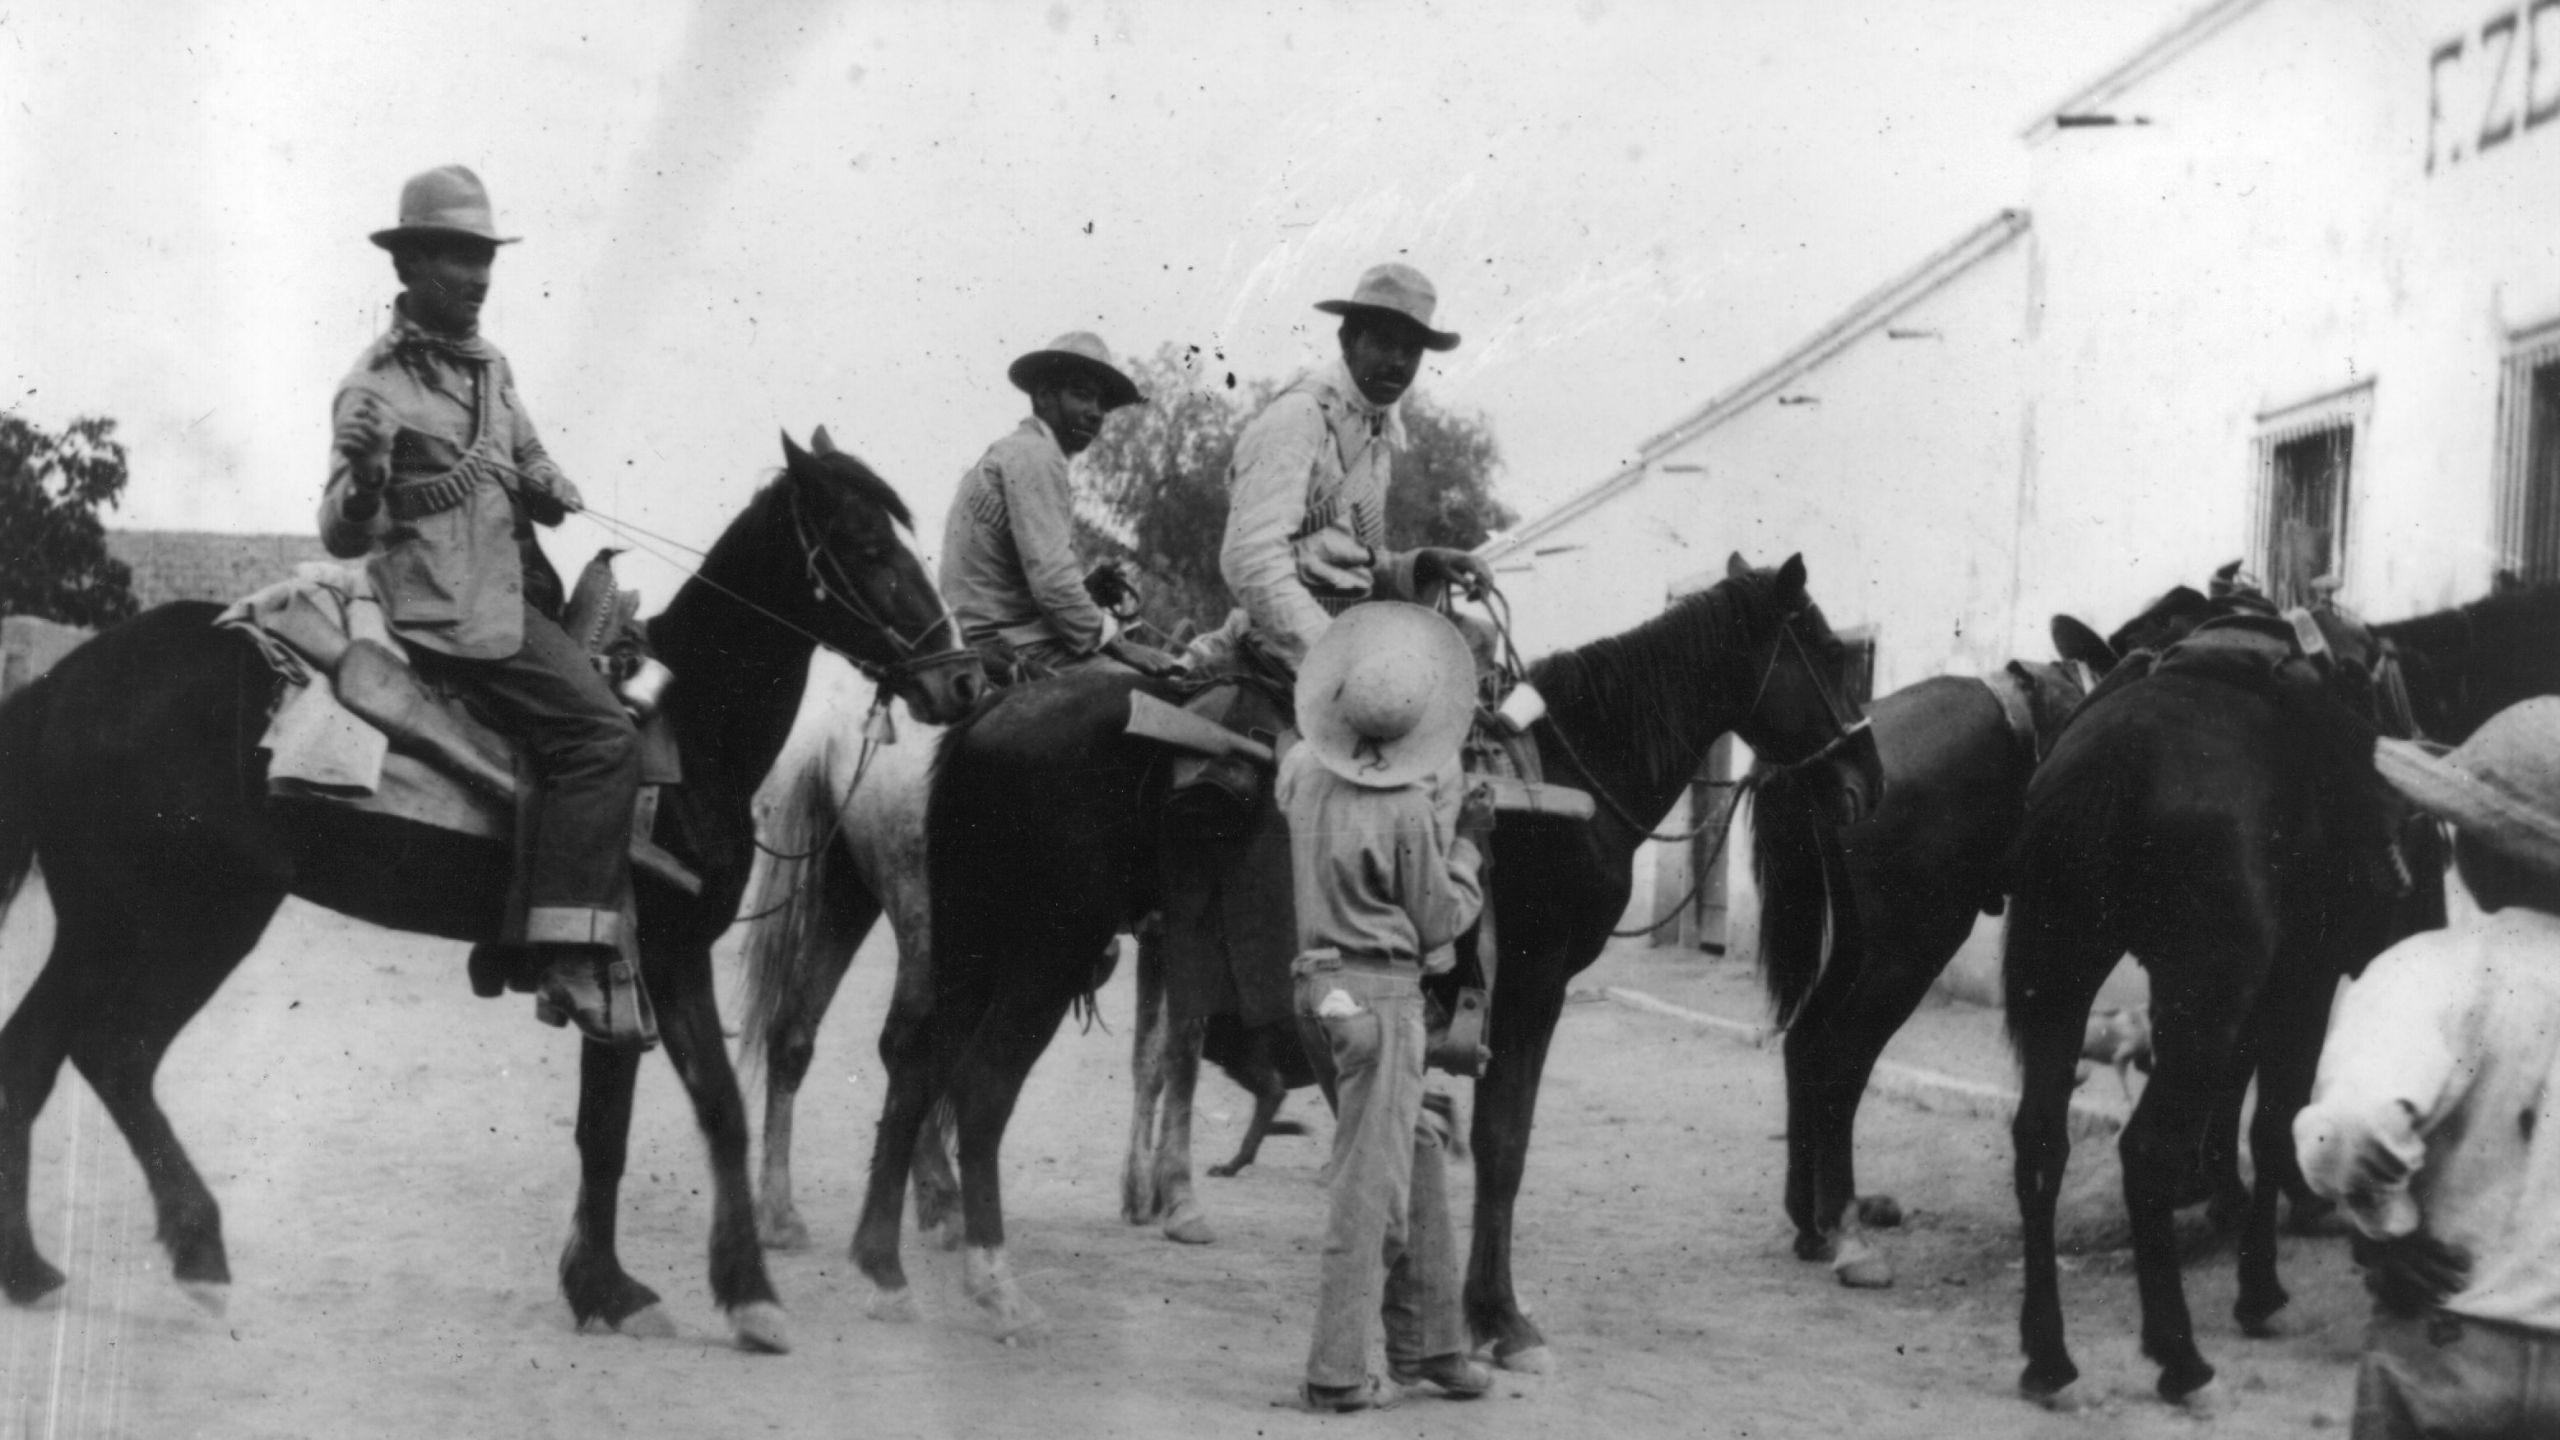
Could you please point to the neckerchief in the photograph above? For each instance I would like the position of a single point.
(409, 336)
(1364, 420)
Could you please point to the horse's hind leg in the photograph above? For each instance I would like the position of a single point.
(146, 985)
(1184, 1219)
(1268, 1096)
(907, 1050)
(1139, 1201)
(790, 1046)
(32, 1047)
(935, 1182)
(984, 1087)
(2292, 1020)
(2048, 1014)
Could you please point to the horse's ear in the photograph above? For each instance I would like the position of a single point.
(1791, 579)
(821, 441)
(792, 455)
(2073, 640)
(1735, 567)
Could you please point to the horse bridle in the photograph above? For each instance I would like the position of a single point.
(837, 589)
(1846, 726)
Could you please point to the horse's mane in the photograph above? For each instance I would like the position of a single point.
(866, 482)
(1639, 687)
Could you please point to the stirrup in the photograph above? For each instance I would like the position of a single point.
(618, 1014)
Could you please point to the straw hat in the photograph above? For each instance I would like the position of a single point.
(1385, 694)
(448, 200)
(1400, 291)
(1081, 351)
(2501, 788)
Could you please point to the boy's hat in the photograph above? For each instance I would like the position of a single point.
(2502, 787)
(1385, 694)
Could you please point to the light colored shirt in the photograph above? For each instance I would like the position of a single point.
(1307, 511)
(1378, 872)
(448, 546)
(2438, 1103)
(1009, 567)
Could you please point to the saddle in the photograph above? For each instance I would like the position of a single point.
(355, 725)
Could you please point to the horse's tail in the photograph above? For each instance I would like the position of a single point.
(1795, 857)
(791, 930)
(21, 725)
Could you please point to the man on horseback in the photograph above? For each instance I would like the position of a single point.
(438, 478)
(1307, 498)
(1386, 852)
(1009, 567)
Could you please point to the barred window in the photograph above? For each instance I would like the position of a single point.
(2306, 471)
(2529, 455)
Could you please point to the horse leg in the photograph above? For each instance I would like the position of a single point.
(2195, 999)
(984, 1087)
(2047, 1022)
(1184, 1220)
(32, 1047)
(936, 1185)
(1268, 1096)
(790, 1046)
(592, 1279)
(907, 1046)
(689, 1023)
(2292, 1021)
(1847, 1038)
(1523, 1023)
(1139, 1200)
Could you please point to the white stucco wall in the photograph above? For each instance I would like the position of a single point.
(2274, 233)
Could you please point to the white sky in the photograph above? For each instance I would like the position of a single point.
(745, 217)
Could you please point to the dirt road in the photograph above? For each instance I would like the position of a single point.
(395, 1166)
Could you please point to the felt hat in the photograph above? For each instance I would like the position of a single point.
(448, 200)
(2502, 787)
(1385, 694)
(1400, 291)
(1081, 351)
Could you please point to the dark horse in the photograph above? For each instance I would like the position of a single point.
(1858, 921)
(2205, 828)
(1042, 833)
(131, 771)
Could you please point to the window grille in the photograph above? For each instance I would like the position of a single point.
(2306, 471)
(2529, 455)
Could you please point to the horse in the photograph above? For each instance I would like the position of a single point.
(843, 816)
(1857, 922)
(2199, 826)
(1042, 836)
(131, 771)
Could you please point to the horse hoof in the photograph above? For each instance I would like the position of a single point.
(1226, 1172)
(2205, 1402)
(1879, 1212)
(212, 1297)
(896, 1307)
(1189, 1226)
(1527, 1360)
(1812, 1246)
(761, 1328)
(649, 1322)
(786, 1233)
(1023, 1332)
(2067, 1400)
(1861, 1266)
(2276, 1324)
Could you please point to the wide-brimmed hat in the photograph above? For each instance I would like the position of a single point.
(2502, 787)
(448, 200)
(1385, 694)
(1080, 351)
(1400, 291)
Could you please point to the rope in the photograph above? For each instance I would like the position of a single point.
(1698, 881)
(861, 768)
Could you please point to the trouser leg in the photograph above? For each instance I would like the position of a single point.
(1422, 1311)
(1375, 1041)
(586, 763)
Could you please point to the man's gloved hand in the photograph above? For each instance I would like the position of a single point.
(2413, 1274)
(1463, 569)
(1109, 586)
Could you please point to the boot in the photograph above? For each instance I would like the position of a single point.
(594, 986)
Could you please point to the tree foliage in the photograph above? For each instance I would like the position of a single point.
(53, 550)
(1155, 483)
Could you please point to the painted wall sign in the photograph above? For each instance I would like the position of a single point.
(2487, 88)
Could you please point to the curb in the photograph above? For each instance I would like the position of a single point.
(1910, 1084)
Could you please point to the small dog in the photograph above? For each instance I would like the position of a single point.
(2121, 1038)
